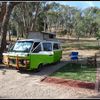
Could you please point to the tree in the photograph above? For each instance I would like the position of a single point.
(91, 17)
(28, 16)
(2, 12)
(6, 17)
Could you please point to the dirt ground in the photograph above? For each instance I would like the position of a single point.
(15, 84)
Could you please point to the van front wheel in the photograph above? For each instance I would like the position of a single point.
(39, 68)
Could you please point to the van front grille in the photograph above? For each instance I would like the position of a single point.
(12, 61)
(21, 62)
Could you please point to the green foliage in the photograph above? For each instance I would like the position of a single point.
(98, 35)
(65, 19)
(63, 32)
(40, 22)
(28, 16)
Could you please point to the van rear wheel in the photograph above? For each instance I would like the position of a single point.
(59, 60)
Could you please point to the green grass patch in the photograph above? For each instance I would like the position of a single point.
(76, 72)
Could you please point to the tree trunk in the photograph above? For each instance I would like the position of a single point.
(33, 27)
(5, 22)
(9, 36)
(2, 13)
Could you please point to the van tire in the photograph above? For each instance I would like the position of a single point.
(59, 61)
(39, 68)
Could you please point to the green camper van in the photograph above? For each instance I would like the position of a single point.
(31, 54)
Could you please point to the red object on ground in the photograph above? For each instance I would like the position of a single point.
(73, 83)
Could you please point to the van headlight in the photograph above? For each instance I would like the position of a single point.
(26, 62)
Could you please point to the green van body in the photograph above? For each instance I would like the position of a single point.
(35, 59)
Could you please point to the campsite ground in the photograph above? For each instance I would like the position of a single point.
(16, 84)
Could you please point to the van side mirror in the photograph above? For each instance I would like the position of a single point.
(9, 46)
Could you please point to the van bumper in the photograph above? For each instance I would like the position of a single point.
(17, 62)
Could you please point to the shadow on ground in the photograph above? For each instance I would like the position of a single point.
(46, 70)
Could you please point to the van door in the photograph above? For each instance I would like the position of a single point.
(47, 53)
(57, 52)
(41, 54)
(34, 56)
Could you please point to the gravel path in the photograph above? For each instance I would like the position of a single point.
(21, 85)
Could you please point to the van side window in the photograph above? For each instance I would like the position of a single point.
(47, 46)
(56, 46)
(38, 49)
(35, 44)
(51, 36)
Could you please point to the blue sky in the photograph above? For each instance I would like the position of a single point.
(80, 4)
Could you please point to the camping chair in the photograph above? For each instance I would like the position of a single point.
(74, 56)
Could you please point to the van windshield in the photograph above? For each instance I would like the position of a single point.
(22, 46)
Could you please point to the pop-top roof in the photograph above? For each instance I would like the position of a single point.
(48, 33)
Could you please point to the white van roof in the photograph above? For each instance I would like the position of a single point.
(38, 40)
